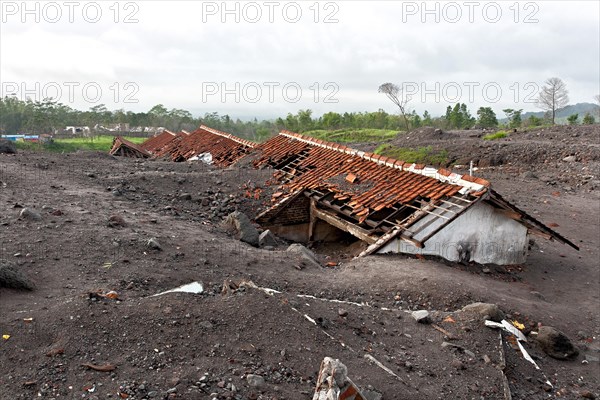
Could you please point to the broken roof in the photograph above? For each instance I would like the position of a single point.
(123, 147)
(157, 142)
(224, 148)
(384, 197)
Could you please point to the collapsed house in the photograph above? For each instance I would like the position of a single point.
(328, 191)
(205, 144)
(125, 148)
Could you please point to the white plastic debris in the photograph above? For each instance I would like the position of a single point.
(508, 327)
(194, 288)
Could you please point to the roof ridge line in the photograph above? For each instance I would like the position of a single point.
(229, 136)
(442, 174)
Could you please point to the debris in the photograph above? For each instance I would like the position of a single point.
(28, 213)
(5, 337)
(508, 328)
(100, 368)
(154, 244)
(54, 352)
(239, 224)
(461, 348)
(555, 343)
(492, 311)
(333, 382)
(518, 325)
(111, 295)
(449, 335)
(421, 316)
(569, 159)
(383, 367)
(342, 312)
(267, 239)
(194, 287)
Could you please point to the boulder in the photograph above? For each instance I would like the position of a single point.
(491, 311)
(12, 278)
(7, 147)
(241, 226)
(422, 316)
(267, 239)
(555, 343)
(154, 244)
(28, 213)
(305, 253)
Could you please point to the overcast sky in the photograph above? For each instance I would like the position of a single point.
(265, 59)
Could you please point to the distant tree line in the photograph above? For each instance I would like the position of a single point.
(50, 116)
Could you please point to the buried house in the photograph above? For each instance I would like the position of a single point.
(328, 190)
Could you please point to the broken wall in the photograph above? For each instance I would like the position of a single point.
(483, 234)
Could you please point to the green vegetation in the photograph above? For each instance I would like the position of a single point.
(97, 143)
(514, 117)
(486, 118)
(572, 119)
(588, 119)
(353, 135)
(497, 135)
(459, 117)
(420, 155)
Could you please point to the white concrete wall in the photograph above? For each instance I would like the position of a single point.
(481, 234)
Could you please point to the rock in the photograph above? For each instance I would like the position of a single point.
(371, 395)
(555, 343)
(486, 310)
(12, 278)
(486, 270)
(239, 224)
(421, 316)
(267, 239)
(569, 159)
(304, 253)
(28, 213)
(206, 324)
(590, 358)
(538, 295)
(154, 244)
(185, 196)
(7, 147)
(456, 363)
(115, 221)
(342, 312)
(586, 394)
(529, 175)
(255, 380)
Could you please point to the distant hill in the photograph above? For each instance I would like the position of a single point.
(563, 113)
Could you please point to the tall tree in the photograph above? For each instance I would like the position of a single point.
(396, 95)
(514, 117)
(553, 96)
(487, 117)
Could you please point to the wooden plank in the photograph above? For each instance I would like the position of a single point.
(345, 226)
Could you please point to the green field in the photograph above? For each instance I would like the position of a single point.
(421, 155)
(96, 143)
(353, 135)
